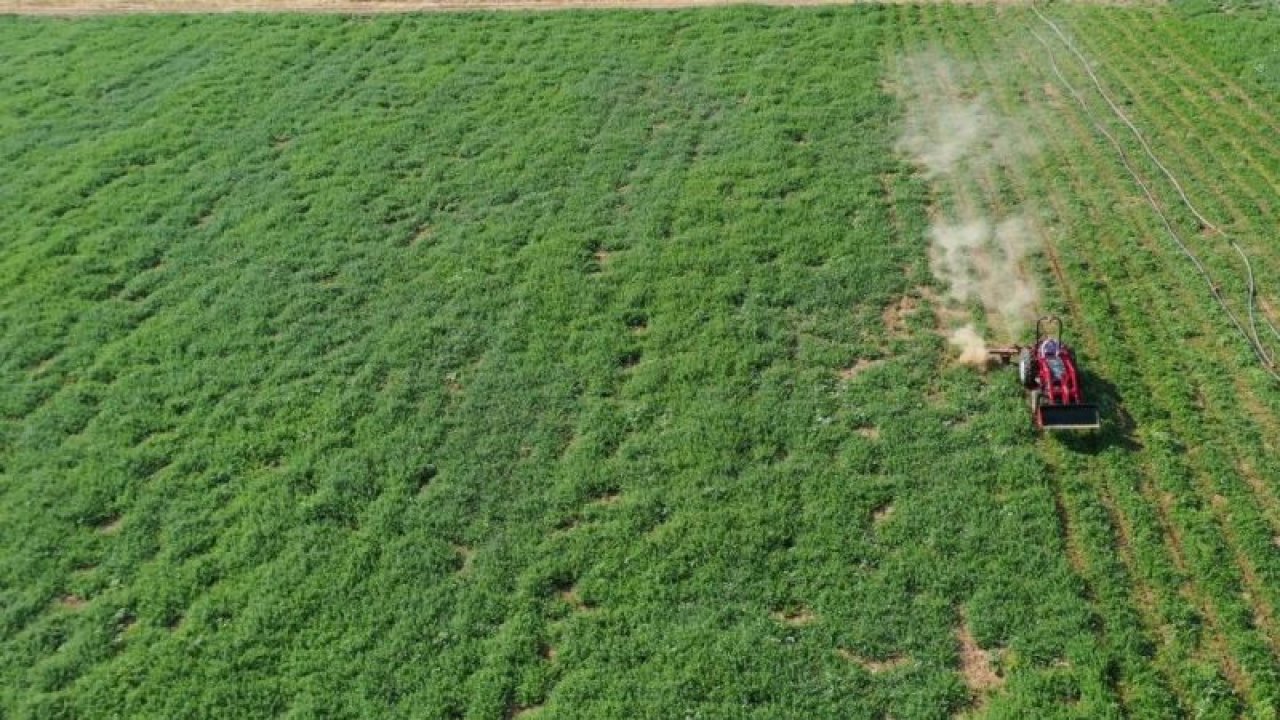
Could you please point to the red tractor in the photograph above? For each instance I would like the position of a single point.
(1047, 369)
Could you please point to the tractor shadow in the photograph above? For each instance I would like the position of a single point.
(1117, 424)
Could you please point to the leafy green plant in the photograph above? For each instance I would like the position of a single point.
(588, 365)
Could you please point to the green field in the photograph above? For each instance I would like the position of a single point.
(590, 365)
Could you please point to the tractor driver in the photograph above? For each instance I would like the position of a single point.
(1049, 350)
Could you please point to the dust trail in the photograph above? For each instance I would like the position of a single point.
(978, 249)
(973, 349)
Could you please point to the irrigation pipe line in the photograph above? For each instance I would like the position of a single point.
(1253, 294)
(1155, 205)
(1253, 338)
(1204, 221)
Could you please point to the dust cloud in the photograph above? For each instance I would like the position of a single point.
(984, 263)
(973, 349)
(980, 244)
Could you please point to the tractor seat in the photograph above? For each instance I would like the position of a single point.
(1049, 352)
(1057, 368)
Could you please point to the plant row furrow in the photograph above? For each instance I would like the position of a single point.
(1224, 150)
(1207, 135)
(1158, 549)
(1099, 526)
(1265, 419)
(1160, 297)
(1194, 86)
(1232, 282)
(1149, 573)
(1117, 474)
(1170, 35)
(1234, 507)
(1262, 403)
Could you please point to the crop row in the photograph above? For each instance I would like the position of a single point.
(1192, 545)
(1202, 542)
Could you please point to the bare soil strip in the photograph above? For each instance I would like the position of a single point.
(976, 665)
(873, 666)
(95, 7)
(73, 8)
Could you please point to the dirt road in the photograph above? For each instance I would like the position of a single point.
(96, 7)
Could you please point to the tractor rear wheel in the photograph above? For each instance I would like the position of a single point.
(1026, 369)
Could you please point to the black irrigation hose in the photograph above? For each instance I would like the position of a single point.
(1251, 299)
(1204, 221)
(1251, 335)
(1124, 158)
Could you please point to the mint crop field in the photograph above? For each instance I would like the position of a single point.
(595, 365)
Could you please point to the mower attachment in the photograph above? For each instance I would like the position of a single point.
(1004, 354)
(1068, 417)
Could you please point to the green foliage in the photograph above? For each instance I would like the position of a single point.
(1244, 36)
(461, 365)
